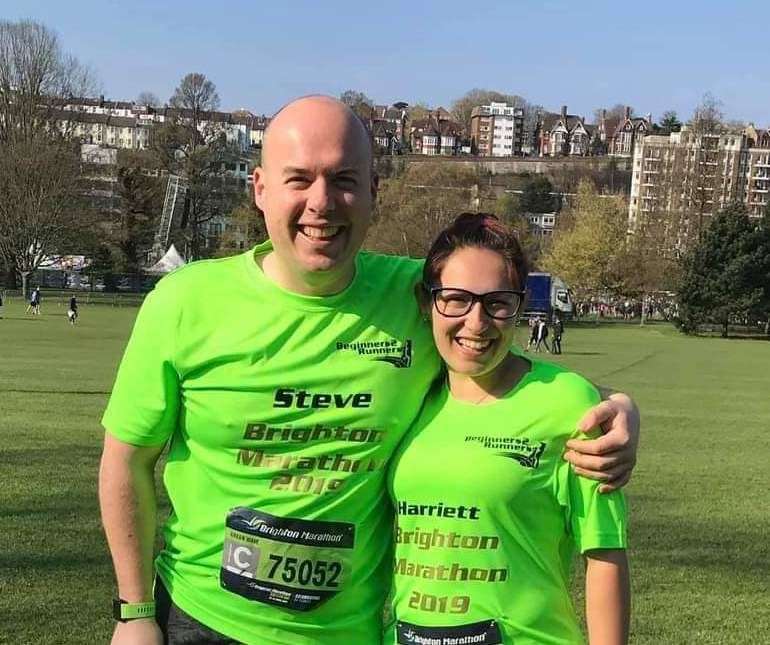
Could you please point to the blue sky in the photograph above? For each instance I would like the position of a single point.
(652, 55)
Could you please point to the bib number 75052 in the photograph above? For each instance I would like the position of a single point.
(319, 573)
(285, 561)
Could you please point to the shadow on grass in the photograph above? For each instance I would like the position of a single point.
(46, 456)
(716, 546)
(49, 562)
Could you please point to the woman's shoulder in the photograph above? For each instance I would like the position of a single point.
(564, 384)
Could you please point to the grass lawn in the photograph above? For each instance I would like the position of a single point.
(700, 497)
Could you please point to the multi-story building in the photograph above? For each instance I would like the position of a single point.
(436, 135)
(628, 131)
(541, 224)
(392, 121)
(563, 135)
(683, 178)
(755, 170)
(497, 130)
(105, 129)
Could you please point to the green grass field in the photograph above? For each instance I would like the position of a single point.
(700, 497)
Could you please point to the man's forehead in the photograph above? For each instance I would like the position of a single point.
(297, 150)
(314, 127)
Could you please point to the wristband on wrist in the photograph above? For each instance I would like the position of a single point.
(124, 611)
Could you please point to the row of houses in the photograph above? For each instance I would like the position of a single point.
(498, 130)
(124, 124)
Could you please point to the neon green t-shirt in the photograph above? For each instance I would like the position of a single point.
(282, 411)
(489, 515)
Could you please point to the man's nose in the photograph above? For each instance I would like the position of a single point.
(320, 199)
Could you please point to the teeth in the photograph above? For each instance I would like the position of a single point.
(320, 232)
(474, 344)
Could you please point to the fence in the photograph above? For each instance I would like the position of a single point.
(93, 282)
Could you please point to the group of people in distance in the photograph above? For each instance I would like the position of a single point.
(355, 428)
(36, 298)
(538, 334)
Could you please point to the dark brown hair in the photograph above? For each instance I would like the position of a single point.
(480, 230)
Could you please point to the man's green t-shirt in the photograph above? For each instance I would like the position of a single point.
(489, 516)
(282, 412)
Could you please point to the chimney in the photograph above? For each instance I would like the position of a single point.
(649, 117)
(564, 112)
(627, 113)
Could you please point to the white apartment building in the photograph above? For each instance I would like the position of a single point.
(542, 224)
(686, 177)
(497, 130)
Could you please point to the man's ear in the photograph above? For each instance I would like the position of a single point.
(259, 188)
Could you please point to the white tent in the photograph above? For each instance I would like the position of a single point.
(172, 260)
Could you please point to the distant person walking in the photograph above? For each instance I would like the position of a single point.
(542, 335)
(558, 330)
(34, 302)
(72, 312)
(1, 304)
(532, 333)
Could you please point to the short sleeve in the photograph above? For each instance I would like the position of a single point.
(144, 404)
(595, 520)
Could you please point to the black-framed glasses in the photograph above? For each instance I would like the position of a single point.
(453, 303)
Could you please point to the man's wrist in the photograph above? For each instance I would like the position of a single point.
(124, 611)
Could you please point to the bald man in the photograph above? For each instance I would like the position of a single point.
(280, 415)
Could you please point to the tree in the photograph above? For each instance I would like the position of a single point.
(707, 116)
(508, 209)
(419, 111)
(726, 275)
(537, 196)
(195, 93)
(648, 263)
(588, 242)
(413, 207)
(35, 75)
(669, 122)
(141, 193)
(702, 184)
(360, 103)
(246, 228)
(148, 99)
(42, 212)
(194, 145)
(615, 113)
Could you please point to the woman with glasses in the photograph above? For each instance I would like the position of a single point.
(489, 514)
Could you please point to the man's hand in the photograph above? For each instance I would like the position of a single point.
(611, 457)
(142, 631)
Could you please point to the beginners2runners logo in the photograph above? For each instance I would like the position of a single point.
(518, 448)
(391, 350)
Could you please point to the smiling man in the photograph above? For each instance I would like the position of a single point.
(280, 415)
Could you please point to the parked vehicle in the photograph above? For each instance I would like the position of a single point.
(546, 295)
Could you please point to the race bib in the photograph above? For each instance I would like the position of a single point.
(292, 563)
(483, 633)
